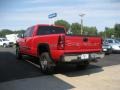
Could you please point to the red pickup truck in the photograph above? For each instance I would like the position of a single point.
(51, 45)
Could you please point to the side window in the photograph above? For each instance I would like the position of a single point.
(0, 40)
(26, 34)
(29, 32)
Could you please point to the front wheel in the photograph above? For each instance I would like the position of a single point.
(4, 45)
(46, 65)
(18, 54)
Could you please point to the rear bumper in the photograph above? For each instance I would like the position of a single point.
(91, 57)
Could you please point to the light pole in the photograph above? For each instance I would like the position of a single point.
(81, 15)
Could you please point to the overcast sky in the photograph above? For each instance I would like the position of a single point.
(19, 14)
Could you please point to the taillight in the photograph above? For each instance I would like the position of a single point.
(101, 44)
(61, 42)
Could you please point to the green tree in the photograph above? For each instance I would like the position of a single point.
(117, 30)
(90, 30)
(76, 28)
(109, 32)
(3, 32)
(63, 23)
(102, 34)
(19, 31)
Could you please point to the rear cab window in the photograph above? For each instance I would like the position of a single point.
(46, 30)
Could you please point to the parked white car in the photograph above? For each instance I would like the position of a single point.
(115, 44)
(5, 43)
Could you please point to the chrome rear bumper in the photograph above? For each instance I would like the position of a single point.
(82, 57)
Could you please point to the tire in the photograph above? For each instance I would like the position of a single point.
(18, 54)
(109, 52)
(82, 65)
(4, 45)
(45, 66)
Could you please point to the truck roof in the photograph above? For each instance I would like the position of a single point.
(49, 25)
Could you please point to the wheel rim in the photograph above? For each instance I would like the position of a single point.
(43, 63)
(4, 45)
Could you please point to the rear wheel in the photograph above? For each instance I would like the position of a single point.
(45, 63)
(82, 65)
(18, 54)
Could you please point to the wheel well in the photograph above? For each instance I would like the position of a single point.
(4, 43)
(43, 48)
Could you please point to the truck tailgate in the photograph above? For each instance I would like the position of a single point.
(81, 44)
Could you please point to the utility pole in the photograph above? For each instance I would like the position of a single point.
(81, 15)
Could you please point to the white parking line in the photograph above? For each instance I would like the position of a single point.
(36, 65)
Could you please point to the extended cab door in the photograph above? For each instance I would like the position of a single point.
(28, 40)
(22, 41)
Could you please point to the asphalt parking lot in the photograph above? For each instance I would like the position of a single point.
(12, 69)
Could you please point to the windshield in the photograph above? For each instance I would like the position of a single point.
(44, 30)
(4, 39)
(116, 41)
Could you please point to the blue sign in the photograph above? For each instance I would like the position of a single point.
(52, 15)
